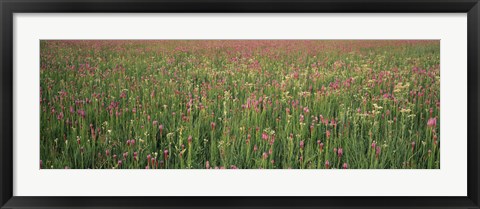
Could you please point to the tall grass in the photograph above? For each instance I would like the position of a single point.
(240, 104)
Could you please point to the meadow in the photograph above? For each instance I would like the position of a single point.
(246, 104)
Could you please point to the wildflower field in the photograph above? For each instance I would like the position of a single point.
(247, 104)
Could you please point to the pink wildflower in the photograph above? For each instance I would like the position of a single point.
(432, 122)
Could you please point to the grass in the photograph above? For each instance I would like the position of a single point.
(240, 104)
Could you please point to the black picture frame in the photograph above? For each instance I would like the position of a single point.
(9, 7)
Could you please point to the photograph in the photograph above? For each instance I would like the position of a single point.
(239, 104)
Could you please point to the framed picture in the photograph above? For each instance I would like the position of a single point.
(241, 104)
